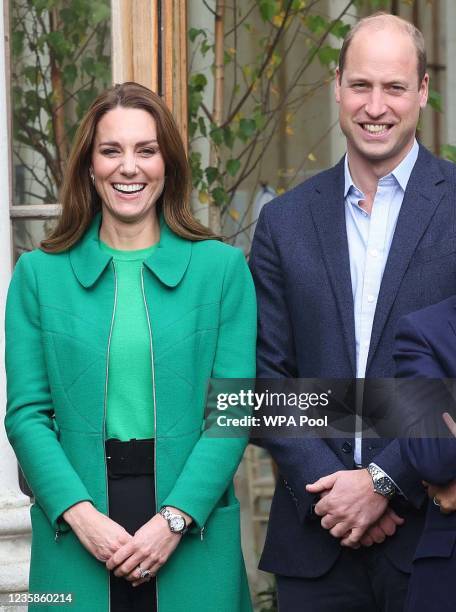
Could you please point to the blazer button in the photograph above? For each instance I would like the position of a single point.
(346, 447)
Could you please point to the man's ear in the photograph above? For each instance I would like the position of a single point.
(424, 91)
(337, 85)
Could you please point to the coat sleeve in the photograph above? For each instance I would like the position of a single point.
(213, 461)
(300, 460)
(29, 419)
(433, 458)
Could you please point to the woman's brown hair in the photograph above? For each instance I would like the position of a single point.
(80, 201)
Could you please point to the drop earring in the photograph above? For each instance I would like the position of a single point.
(92, 176)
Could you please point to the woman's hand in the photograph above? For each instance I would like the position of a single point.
(99, 534)
(150, 547)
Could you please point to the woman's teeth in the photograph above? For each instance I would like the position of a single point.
(129, 188)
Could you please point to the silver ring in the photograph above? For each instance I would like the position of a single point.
(144, 573)
(434, 499)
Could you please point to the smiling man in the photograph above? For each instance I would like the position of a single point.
(336, 262)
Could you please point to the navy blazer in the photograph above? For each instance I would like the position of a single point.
(426, 347)
(300, 265)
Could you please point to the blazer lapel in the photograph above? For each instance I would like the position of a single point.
(424, 192)
(328, 213)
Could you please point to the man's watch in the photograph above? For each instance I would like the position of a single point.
(381, 481)
(176, 522)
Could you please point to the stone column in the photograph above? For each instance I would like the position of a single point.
(449, 11)
(14, 505)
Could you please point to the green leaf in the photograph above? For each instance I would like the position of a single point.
(193, 33)
(317, 24)
(70, 73)
(192, 127)
(17, 42)
(202, 126)
(268, 9)
(247, 127)
(198, 81)
(435, 100)
(259, 119)
(31, 74)
(212, 174)
(219, 196)
(328, 55)
(340, 29)
(42, 5)
(232, 166)
(448, 152)
(194, 102)
(58, 44)
(99, 12)
(217, 135)
(228, 137)
(205, 47)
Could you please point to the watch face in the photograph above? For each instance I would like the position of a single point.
(384, 485)
(176, 524)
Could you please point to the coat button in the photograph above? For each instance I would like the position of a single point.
(346, 447)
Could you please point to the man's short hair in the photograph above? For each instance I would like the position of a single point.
(379, 21)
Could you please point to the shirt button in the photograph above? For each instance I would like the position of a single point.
(371, 298)
(374, 253)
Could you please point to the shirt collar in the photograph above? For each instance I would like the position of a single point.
(401, 172)
(168, 262)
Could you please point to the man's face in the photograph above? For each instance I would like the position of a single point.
(379, 95)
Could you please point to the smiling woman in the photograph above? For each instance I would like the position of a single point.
(128, 169)
(126, 311)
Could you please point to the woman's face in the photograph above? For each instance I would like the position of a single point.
(127, 164)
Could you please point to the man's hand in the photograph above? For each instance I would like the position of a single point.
(383, 528)
(351, 505)
(150, 547)
(444, 496)
(99, 534)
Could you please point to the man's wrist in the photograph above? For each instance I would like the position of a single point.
(382, 483)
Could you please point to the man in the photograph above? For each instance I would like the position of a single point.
(336, 262)
(426, 348)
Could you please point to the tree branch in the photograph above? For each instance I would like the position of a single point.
(271, 50)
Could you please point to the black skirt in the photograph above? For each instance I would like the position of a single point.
(131, 504)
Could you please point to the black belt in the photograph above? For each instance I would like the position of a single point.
(131, 458)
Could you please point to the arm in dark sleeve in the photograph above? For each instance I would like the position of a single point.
(433, 458)
(300, 461)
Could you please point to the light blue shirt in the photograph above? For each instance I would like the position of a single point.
(369, 241)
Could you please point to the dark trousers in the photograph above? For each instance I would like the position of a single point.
(131, 504)
(361, 580)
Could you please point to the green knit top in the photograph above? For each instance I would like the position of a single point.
(130, 397)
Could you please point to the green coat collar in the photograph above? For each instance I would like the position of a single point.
(168, 262)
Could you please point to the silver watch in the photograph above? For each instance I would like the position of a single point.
(176, 522)
(381, 481)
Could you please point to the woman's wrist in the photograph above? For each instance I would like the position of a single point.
(188, 519)
(73, 514)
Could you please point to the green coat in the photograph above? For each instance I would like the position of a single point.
(202, 310)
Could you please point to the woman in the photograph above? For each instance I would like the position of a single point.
(113, 328)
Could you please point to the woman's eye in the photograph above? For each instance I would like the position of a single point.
(108, 151)
(148, 151)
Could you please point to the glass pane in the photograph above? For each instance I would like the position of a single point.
(28, 233)
(60, 60)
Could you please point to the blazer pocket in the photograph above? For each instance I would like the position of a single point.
(436, 250)
(436, 544)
